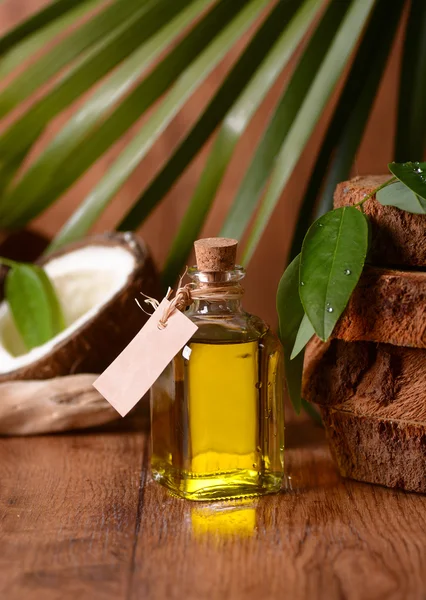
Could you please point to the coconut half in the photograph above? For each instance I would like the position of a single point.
(97, 281)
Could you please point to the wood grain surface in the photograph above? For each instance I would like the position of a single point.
(81, 518)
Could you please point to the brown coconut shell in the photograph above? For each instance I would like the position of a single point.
(387, 306)
(92, 347)
(373, 402)
(398, 237)
(25, 245)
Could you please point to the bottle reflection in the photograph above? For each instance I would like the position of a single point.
(225, 520)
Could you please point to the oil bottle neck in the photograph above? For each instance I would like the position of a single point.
(216, 308)
(223, 292)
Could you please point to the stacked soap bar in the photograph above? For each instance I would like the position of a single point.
(370, 379)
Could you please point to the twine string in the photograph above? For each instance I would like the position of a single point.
(188, 293)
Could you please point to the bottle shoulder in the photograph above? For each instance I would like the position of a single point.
(236, 327)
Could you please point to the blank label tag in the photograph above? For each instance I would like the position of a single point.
(134, 371)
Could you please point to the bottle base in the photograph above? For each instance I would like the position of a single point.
(218, 486)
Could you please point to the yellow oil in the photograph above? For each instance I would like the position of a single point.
(217, 426)
(223, 406)
(224, 520)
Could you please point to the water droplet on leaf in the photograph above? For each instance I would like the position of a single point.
(419, 170)
(302, 283)
(330, 309)
(347, 271)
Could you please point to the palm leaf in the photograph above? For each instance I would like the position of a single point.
(350, 116)
(199, 133)
(90, 33)
(259, 170)
(234, 124)
(42, 35)
(228, 32)
(104, 56)
(309, 113)
(34, 191)
(33, 24)
(411, 124)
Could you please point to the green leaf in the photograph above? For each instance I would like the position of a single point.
(94, 31)
(218, 107)
(399, 195)
(34, 190)
(346, 129)
(56, 313)
(304, 334)
(259, 170)
(290, 314)
(234, 125)
(320, 91)
(332, 259)
(33, 304)
(122, 39)
(44, 17)
(43, 34)
(413, 175)
(192, 77)
(410, 135)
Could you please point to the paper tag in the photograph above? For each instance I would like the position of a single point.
(134, 371)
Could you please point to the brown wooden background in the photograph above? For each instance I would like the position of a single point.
(269, 260)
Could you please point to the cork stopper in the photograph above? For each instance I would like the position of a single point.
(216, 254)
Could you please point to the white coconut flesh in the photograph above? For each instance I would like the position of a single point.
(84, 280)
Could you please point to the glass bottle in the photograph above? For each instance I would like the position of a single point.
(217, 416)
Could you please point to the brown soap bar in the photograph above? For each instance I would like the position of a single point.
(398, 237)
(386, 306)
(373, 402)
(216, 254)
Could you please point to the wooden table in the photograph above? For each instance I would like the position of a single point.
(82, 519)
